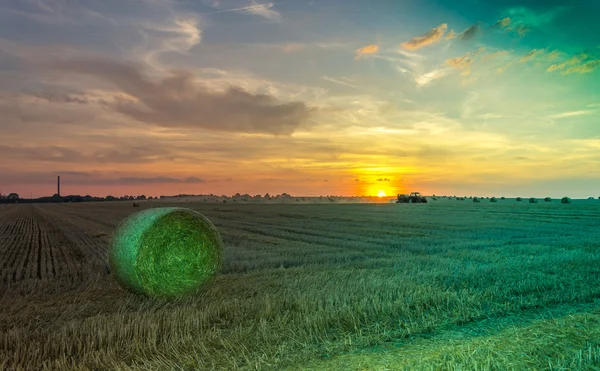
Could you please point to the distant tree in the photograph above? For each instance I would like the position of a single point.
(548, 199)
(12, 197)
(503, 198)
(493, 199)
(565, 200)
(518, 198)
(131, 198)
(267, 196)
(110, 198)
(533, 200)
(257, 197)
(150, 197)
(140, 197)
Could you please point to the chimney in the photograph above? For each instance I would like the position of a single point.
(58, 182)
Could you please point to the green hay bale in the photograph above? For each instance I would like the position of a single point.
(565, 200)
(165, 252)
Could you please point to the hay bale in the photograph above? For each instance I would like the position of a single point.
(503, 198)
(493, 199)
(165, 252)
(533, 200)
(548, 199)
(565, 200)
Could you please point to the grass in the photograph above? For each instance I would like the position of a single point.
(444, 286)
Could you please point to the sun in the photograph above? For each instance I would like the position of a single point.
(381, 194)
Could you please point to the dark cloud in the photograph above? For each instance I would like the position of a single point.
(137, 154)
(177, 101)
(59, 97)
(159, 179)
(470, 32)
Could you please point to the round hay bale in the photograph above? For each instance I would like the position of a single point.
(165, 252)
(565, 200)
(493, 199)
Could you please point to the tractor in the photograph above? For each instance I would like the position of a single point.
(413, 198)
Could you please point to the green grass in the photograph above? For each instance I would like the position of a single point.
(443, 286)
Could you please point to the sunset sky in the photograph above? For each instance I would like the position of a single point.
(322, 97)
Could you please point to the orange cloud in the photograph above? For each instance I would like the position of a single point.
(369, 49)
(460, 62)
(431, 37)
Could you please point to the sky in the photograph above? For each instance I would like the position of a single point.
(321, 97)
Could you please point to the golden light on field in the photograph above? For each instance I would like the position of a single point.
(381, 194)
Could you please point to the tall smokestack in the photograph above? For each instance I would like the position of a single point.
(58, 183)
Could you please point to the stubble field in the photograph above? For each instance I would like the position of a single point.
(448, 285)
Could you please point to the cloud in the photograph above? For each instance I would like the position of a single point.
(521, 30)
(525, 16)
(431, 37)
(470, 32)
(460, 62)
(369, 49)
(262, 10)
(502, 23)
(584, 68)
(55, 153)
(159, 179)
(451, 35)
(291, 48)
(255, 8)
(496, 54)
(178, 101)
(532, 54)
(428, 77)
(340, 82)
(60, 97)
(576, 59)
(572, 114)
(520, 20)
(179, 34)
(504, 67)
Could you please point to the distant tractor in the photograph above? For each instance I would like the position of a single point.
(413, 198)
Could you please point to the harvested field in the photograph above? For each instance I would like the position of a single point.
(443, 285)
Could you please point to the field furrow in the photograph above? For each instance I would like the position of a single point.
(319, 286)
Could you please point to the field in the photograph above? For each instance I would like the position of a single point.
(448, 285)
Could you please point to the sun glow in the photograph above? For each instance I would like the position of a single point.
(381, 194)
